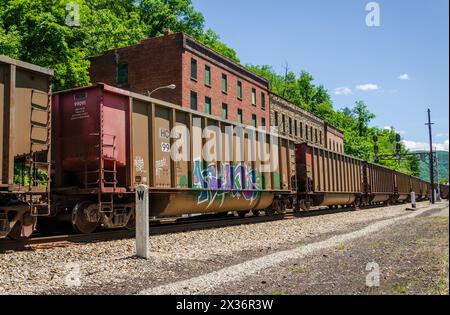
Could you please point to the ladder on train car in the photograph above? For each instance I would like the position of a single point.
(38, 159)
(105, 177)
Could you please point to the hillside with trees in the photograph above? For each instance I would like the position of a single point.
(353, 121)
(36, 31)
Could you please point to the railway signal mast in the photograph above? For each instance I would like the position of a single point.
(398, 156)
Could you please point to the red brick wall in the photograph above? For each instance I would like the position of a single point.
(216, 94)
(151, 64)
(161, 61)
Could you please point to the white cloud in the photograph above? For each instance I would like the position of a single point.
(342, 91)
(442, 134)
(404, 76)
(367, 87)
(423, 146)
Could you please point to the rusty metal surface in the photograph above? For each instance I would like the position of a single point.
(141, 128)
(333, 178)
(402, 186)
(379, 182)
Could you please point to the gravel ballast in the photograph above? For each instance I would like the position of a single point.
(111, 268)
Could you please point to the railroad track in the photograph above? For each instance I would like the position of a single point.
(159, 228)
(164, 226)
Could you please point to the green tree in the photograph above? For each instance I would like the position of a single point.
(36, 31)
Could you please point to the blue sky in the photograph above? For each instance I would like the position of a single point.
(399, 68)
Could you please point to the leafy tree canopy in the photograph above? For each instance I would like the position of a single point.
(36, 31)
(355, 122)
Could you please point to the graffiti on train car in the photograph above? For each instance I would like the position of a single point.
(238, 181)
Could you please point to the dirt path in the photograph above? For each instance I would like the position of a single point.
(411, 257)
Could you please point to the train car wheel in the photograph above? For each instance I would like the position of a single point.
(270, 212)
(242, 214)
(131, 225)
(256, 213)
(80, 221)
(23, 228)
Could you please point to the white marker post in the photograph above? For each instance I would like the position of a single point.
(142, 222)
(413, 200)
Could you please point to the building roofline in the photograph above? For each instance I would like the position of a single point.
(26, 65)
(224, 57)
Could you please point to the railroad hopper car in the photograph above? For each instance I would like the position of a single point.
(327, 178)
(402, 190)
(419, 187)
(107, 140)
(379, 184)
(25, 109)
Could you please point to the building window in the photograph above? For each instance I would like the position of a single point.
(207, 75)
(193, 69)
(320, 138)
(224, 83)
(276, 120)
(295, 128)
(254, 120)
(316, 136)
(290, 126)
(239, 90)
(263, 101)
(253, 96)
(208, 108)
(224, 111)
(193, 100)
(122, 73)
(283, 122)
(329, 144)
(306, 132)
(311, 129)
(240, 116)
(263, 122)
(301, 130)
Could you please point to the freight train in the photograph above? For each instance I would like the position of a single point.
(77, 156)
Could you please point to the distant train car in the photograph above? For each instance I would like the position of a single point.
(107, 140)
(379, 184)
(327, 178)
(25, 109)
(402, 190)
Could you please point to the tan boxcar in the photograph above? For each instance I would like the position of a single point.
(108, 140)
(418, 187)
(327, 178)
(402, 186)
(379, 183)
(25, 110)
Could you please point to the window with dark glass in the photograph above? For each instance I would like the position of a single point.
(306, 132)
(301, 130)
(208, 75)
(311, 129)
(276, 119)
(295, 128)
(315, 135)
(239, 90)
(254, 120)
(224, 83)
(208, 108)
(122, 73)
(263, 101)
(263, 122)
(194, 104)
(320, 137)
(254, 96)
(224, 111)
(240, 120)
(193, 69)
(283, 122)
(290, 126)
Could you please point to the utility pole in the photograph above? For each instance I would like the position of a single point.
(438, 188)
(433, 200)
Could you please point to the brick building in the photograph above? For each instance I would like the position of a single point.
(303, 126)
(205, 80)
